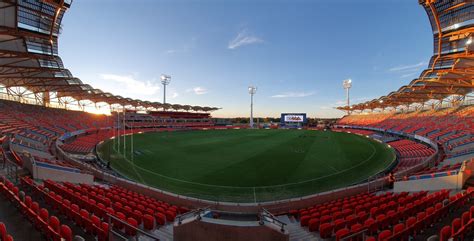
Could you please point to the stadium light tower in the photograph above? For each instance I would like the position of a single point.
(252, 91)
(347, 84)
(165, 80)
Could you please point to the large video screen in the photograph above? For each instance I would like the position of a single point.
(298, 118)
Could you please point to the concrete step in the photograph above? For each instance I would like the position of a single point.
(298, 233)
(17, 225)
(165, 233)
(458, 159)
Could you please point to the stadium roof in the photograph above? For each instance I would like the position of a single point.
(29, 31)
(451, 68)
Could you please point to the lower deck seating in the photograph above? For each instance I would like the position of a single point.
(356, 131)
(411, 153)
(461, 226)
(374, 214)
(91, 207)
(49, 226)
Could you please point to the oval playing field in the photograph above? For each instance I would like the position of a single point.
(248, 165)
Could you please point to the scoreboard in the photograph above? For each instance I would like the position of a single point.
(293, 119)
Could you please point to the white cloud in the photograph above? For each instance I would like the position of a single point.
(293, 94)
(174, 95)
(353, 101)
(198, 90)
(172, 51)
(243, 38)
(132, 85)
(183, 48)
(409, 75)
(408, 68)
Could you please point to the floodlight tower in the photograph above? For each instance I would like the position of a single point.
(347, 84)
(165, 80)
(252, 91)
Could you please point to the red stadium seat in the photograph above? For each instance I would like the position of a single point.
(66, 233)
(341, 233)
(313, 224)
(161, 219)
(384, 235)
(325, 230)
(54, 228)
(398, 228)
(130, 231)
(445, 233)
(148, 222)
(303, 220)
(456, 225)
(3, 231)
(465, 218)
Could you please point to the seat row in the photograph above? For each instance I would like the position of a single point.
(96, 203)
(71, 208)
(49, 226)
(414, 225)
(373, 213)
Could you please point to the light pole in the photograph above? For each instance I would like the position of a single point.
(347, 84)
(165, 80)
(252, 91)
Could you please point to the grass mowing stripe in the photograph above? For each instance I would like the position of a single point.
(226, 165)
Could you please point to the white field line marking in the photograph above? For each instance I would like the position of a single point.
(272, 186)
(134, 169)
(332, 167)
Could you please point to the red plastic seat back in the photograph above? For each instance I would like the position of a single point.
(384, 235)
(95, 220)
(66, 233)
(28, 201)
(456, 225)
(44, 214)
(410, 221)
(3, 231)
(35, 207)
(465, 218)
(75, 208)
(148, 222)
(84, 213)
(398, 228)
(445, 233)
(54, 223)
(341, 233)
(130, 231)
(471, 211)
(325, 230)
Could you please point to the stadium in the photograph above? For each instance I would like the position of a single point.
(80, 163)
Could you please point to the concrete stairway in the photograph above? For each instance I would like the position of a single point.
(165, 232)
(298, 233)
(17, 225)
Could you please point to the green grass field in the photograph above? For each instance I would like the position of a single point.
(249, 165)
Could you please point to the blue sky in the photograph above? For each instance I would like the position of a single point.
(296, 52)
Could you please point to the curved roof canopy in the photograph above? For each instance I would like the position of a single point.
(29, 31)
(451, 69)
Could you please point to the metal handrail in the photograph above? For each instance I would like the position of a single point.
(191, 214)
(266, 216)
(356, 234)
